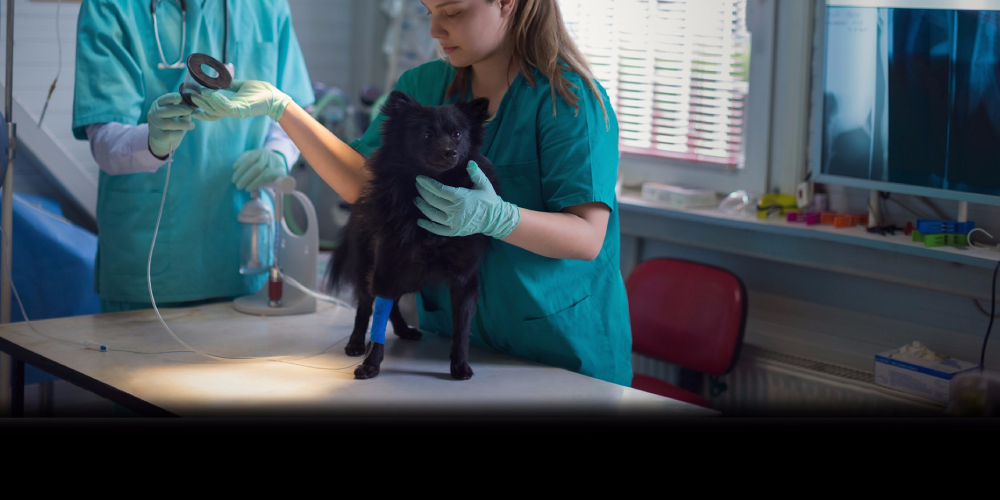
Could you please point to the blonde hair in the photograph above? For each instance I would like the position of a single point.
(538, 39)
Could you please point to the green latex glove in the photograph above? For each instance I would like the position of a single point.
(252, 98)
(460, 212)
(258, 166)
(169, 119)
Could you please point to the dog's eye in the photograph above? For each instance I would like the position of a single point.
(427, 134)
(457, 135)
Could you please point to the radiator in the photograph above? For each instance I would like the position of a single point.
(767, 383)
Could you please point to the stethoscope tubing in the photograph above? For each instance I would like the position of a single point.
(156, 31)
(180, 62)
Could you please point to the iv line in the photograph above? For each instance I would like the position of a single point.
(318, 296)
(103, 348)
(52, 88)
(88, 344)
(149, 282)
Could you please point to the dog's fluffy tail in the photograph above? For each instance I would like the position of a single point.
(342, 255)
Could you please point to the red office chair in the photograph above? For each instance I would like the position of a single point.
(687, 314)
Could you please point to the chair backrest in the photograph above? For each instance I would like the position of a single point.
(687, 314)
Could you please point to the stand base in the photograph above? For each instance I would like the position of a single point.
(299, 253)
(258, 304)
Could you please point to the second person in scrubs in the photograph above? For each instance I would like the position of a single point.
(125, 102)
(551, 288)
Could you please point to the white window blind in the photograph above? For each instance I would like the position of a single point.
(676, 72)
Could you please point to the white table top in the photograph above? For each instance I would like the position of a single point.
(414, 378)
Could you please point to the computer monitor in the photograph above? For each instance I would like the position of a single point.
(906, 97)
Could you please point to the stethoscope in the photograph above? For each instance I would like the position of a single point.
(180, 62)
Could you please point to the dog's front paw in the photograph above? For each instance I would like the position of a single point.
(365, 371)
(355, 348)
(461, 371)
(410, 334)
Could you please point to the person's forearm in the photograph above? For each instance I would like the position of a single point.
(337, 164)
(277, 140)
(560, 235)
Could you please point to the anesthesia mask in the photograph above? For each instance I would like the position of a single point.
(204, 72)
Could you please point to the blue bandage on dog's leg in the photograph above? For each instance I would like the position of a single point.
(379, 319)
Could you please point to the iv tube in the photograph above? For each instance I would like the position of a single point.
(149, 282)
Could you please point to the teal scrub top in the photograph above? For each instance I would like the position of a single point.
(567, 313)
(197, 248)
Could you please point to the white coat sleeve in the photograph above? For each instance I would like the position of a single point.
(122, 149)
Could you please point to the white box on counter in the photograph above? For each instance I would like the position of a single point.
(917, 376)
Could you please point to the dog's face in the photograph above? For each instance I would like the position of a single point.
(436, 137)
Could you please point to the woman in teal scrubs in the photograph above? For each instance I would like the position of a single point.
(551, 288)
(125, 77)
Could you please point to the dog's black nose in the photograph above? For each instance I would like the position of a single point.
(450, 153)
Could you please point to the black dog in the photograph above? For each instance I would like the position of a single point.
(384, 253)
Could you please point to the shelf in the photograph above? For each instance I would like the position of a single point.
(855, 236)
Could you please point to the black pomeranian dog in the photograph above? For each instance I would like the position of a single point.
(382, 250)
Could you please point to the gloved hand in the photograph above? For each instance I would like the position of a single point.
(253, 98)
(460, 212)
(257, 167)
(169, 119)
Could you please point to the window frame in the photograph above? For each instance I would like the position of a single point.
(637, 168)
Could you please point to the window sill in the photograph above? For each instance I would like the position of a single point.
(636, 169)
(852, 251)
(630, 201)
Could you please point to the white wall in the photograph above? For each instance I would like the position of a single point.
(341, 41)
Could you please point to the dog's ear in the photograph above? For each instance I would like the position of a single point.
(478, 110)
(397, 103)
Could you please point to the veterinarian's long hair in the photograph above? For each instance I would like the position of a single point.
(538, 39)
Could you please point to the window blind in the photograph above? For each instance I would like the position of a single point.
(676, 72)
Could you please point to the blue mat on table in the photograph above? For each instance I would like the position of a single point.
(53, 266)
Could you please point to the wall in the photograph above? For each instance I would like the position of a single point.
(342, 41)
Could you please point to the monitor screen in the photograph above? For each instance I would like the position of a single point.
(910, 97)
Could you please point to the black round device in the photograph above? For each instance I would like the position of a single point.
(201, 79)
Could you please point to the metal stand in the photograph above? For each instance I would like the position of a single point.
(297, 256)
(11, 403)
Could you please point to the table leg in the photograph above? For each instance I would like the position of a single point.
(17, 389)
(46, 398)
(5, 369)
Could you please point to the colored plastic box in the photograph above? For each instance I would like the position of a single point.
(935, 226)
